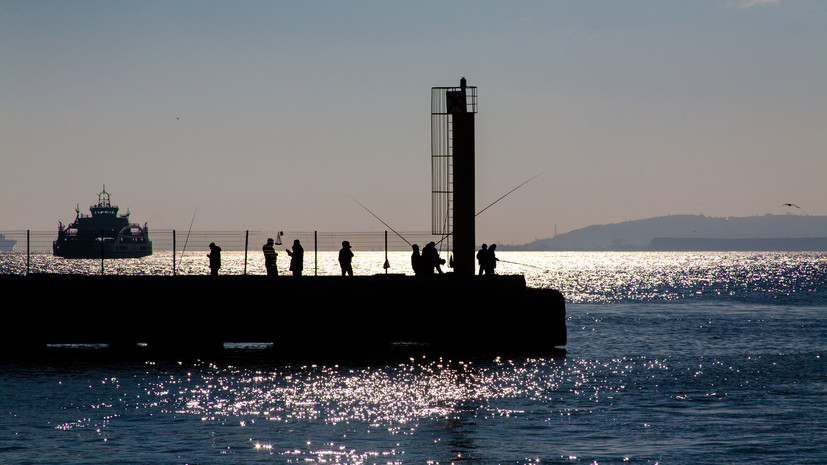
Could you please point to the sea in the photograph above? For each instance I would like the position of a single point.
(672, 358)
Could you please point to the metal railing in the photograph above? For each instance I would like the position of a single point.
(183, 252)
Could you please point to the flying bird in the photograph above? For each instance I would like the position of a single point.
(790, 205)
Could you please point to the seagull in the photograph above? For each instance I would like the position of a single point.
(790, 205)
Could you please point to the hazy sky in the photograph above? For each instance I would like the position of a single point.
(268, 115)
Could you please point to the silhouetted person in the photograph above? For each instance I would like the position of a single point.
(345, 256)
(215, 258)
(416, 260)
(270, 258)
(481, 257)
(296, 258)
(490, 260)
(431, 260)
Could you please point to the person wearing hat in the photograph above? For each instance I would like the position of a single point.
(345, 257)
(270, 258)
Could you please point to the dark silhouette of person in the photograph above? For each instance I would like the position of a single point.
(270, 258)
(431, 259)
(345, 256)
(215, 258)
(416, 260)
(482, 257)
(296, 258)
(490, 260)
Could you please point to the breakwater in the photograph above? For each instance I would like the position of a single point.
(318, 316)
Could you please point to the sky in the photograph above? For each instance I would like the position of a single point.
(279, 115)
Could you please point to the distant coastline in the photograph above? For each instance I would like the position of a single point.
(701, 244)
(692, 233)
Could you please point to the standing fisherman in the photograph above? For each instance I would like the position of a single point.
(416, 260)
(215, 258)
(296, 258)
(490, 260)
(270, 258)
(345, 257)
(431, 259)
(482, 256)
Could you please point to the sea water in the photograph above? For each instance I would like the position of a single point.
(672, 358)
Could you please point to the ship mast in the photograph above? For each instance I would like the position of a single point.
(103, 198)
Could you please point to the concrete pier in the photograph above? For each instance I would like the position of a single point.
(302, 317)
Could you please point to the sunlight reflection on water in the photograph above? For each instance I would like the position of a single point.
(581, 276)
(435, 410)
(701, 358)
(664, 276)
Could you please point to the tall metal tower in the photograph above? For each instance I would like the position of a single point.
(452, 170)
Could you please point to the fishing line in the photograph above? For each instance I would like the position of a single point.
(380, 219)
(522, 264)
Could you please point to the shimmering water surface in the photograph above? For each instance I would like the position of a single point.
(673, 358)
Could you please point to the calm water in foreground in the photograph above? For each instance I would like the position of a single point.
(673, 358)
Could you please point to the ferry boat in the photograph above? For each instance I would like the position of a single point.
(103, 234)
(6, 245)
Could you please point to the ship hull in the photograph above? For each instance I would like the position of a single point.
(93, 251)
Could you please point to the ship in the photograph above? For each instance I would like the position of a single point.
(102, 234)
(6, 245)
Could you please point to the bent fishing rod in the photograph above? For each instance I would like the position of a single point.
(504, 196)
(380, 219)
(509, 192)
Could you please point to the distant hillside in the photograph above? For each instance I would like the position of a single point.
(693, 232)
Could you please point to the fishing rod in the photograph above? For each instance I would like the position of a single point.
(380, 219)
(188, 235)
(507, 193)
(492, 203)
